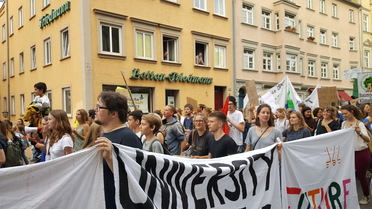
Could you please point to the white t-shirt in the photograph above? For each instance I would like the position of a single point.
(359, 143)
(57, 150)
(237, 118)
(44, 100)
(281, 125)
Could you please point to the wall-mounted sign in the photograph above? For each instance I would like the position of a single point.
(55, 14)
(171, 77)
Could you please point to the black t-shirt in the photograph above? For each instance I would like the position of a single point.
(125, 137)
(223, 147)
(200, 144)
(334, 125)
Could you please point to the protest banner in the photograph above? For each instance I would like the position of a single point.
(152, 180)
(71, 181)
(312, 100)
(252, 92)
(328, 96)
(282, 94)
(142, 102)
(365, 87)
(318, 172)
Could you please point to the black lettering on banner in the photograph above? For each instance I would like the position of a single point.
(150, 167)
(185, 203)
(253, 174)
(169, 181)
(165, 193)
(334, 197)
(213, 184)
(124, 195)
(199, 203)
(237, 164)
(268, 161)
(177, 180)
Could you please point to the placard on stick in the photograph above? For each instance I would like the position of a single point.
(252, 92)
(327, 96)
(192, 101)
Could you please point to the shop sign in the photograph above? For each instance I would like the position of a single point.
(55, 14)
(171, 77)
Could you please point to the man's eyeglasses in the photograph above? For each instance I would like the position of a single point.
(100, 107)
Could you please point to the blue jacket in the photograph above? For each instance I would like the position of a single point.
(174, 135)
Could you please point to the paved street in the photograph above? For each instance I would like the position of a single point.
(360, 193)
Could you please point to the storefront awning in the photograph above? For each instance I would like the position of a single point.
(342, 95)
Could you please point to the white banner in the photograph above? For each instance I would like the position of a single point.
(318, 172)
(282, 94)
(312, 100)
(149, 180)
(72, 181)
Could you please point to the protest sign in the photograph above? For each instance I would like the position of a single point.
(142, 102)
(365, 87)
(318, 172)
(327, 96)
(312, 100)
(252, 92)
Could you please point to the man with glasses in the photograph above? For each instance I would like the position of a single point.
(111, 114)
(236, 124)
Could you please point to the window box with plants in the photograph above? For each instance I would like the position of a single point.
(311, 38)
(289, 28)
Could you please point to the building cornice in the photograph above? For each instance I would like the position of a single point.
(209, 35)
(287, 3)
(133, 19)
(111, 14)
(351, 3)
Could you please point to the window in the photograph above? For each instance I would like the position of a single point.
(144, 45)
(21, 63)
(5, 104)
(46, 3)
(66, 92)
(310, 31)
(33, 57)
(267, 61)
(309, 4)
(334, 39)
(110, 39)
(266, 20)
(351, 15)
(3, 31)
(291, 62)
(12, 105)
(334, 10)
(289, 20)
(4, 71)
(170, 49)
(65, 43)
(32, 8)
(201, 51)
(247, 14)
(278, 64)
(12, 67)
(47, 52)
(200, 4)
(324, 70)
(11, 26)
(311, 68)
(49, 95)
(351, 43)
(20, 17)
(219, 7)
(322, 6)
(336, 71)
(22, 104)
(366, 58)
(248, 59)
(323, 37)
(365, 22)
(277, 21)
(220, 56)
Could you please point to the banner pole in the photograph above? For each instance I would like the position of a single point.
(130, 92)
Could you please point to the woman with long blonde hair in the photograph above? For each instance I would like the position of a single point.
(61, 141)
(94, 132)
(297, 128)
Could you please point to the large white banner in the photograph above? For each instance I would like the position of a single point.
(72, 181)
(318, 172)
(148, 180)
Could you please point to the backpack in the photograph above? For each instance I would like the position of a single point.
(13, 154)
(165, 150)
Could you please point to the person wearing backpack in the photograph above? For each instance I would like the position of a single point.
(13, 151)
(150, 124)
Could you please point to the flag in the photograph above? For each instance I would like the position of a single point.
(289, 101)
(224, 110)
(312, 100)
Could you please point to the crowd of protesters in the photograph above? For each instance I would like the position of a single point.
(198, 133)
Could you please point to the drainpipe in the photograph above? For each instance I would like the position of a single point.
(233, 48)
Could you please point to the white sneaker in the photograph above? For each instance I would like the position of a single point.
(364, 200)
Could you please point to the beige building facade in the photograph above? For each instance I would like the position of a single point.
(311, 41)
(80, 48)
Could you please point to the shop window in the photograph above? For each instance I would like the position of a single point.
(171, 97)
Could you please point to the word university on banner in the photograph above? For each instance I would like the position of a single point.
(318, 172)
(152, 180)
(72, 181)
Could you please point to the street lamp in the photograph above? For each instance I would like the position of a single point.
(7, 56)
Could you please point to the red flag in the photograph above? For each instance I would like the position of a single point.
(224, 110)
